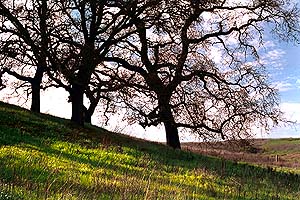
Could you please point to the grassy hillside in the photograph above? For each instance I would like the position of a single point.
(281, 154)
(42, 157)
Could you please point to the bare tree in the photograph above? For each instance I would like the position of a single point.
(23, 40)
(82, 40)
(195, 66)
(101, 90)
(68, 40)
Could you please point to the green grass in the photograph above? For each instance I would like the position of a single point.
(282, 146)
(43, 157)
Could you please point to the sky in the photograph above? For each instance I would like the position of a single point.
(285, 76)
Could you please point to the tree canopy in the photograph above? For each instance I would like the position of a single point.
(23, 38)
(174, 78)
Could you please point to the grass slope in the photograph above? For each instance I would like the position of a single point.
(43, 157)
(281, 154)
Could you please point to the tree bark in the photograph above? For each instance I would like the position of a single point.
(36, 82)
(35, 97)
(77, 92)
(170, 127)
(88, 117)
(172, 135)
(88, 114)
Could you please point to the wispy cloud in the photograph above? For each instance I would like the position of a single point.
(269, 44)
(290, 83)
(291, 111)
(297, 83)
(283, 86)
(274, 54)
(273, 59)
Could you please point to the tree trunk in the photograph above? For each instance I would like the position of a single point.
(88, 113)
(36, 82)
(35, 97)
(77, 92)
(88, 118)
(170, 127)
(172, 135)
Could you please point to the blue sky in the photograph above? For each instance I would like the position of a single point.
(289, 74)
(284, 74)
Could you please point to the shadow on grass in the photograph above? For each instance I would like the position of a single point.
(20, 127)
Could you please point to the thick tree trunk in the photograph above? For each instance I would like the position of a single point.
(88, 118)
(170, 127)
(35, 97)
(172, 135)
(36, 82)
(88, 113)
(77, 92)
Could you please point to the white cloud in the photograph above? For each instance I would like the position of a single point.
(283, 86)
(269, 44)
(287, 84)
(273, 59)
(298, 83)
(285, 132)
(275, 54)
(291, 111)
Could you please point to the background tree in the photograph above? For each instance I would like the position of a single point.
(74, 36)
(24, 29)
(101, 90)
(82, 40)
(173, 76)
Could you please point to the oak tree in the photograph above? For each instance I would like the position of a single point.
(195, 67)
(23, 39)
(84, 37)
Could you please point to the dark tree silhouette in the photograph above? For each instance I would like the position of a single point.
(23, 39)
(83, 39)
(100, 90)
(173, 76)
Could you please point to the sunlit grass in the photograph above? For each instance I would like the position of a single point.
(43, 157)
(283, 146)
